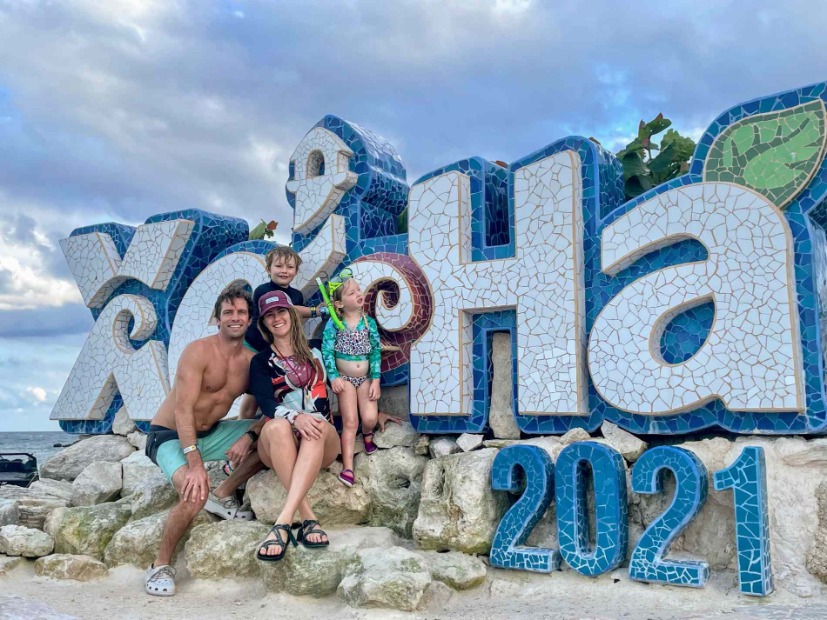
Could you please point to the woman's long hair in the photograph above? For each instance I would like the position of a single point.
(297, 338)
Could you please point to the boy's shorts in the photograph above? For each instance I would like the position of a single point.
(164, 448)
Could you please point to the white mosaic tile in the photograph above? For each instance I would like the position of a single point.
(155, 251)
(317, 196)
(369, 274)
(549, 302)
(94, 262)
(108, 363)
(752, 356)
(151, 258)
(322, 256)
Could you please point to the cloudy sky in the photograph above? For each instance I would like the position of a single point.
(117, 110)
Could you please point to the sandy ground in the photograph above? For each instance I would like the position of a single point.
(506, 594)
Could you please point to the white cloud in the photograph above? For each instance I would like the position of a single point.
(25, 272)
(38, 392)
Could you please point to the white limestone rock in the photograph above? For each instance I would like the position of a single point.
(499, 444)
(18, 540)
(468, 442)
(332, 501)
(69, 462)
(456, 570)
(123, 424)
(458, 510)
(552, 445)
(8, 564)
(136, 469)
(145, 486)
(32, 506)
(393, 483)
(58, 488)
(501, 413)
(443, 446)
(137, 542)
(99, 482)
(151, 496)
(421, 447)
(137, 439)
(392, 578)
(9, 512)
(396, 435)
(318, 572)
(86, 530)
(75, 567)
(436, 597)
(817, 555)
(629, 446)
(575, 434)
(225, 549)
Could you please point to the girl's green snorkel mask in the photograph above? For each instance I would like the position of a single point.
(327, 293)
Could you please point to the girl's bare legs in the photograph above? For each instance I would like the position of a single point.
(297, 465)
(350, 422)
(368, 409)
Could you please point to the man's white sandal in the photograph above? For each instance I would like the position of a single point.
(227, 508)
(160, 580)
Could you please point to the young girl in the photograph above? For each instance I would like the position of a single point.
(352, 360)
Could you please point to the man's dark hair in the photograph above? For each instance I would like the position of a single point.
(237, 289)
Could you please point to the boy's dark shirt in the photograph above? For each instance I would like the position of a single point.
(254, 337)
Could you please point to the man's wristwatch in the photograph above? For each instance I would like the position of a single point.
(252, 435)
(192, 448)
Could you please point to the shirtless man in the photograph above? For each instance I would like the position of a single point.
(187, 430)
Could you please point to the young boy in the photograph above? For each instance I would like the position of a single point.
(282, 263)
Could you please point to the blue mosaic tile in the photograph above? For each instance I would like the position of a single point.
(512, 466)
(647, 563)
(747, 477)
(608, 472)
(370, 208)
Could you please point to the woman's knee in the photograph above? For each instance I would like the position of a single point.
(278, 430)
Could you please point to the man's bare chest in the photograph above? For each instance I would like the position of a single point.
(224, 380)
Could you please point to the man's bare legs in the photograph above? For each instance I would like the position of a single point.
(178, 520)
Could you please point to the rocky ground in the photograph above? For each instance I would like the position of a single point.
(414, 535)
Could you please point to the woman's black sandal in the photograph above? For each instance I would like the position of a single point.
(277, 541)
(308, 527)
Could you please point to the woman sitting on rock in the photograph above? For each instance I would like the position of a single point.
(288, 382)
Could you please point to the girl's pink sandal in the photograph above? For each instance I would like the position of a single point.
(347, 478)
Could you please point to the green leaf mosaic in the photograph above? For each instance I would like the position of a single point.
(774, 154)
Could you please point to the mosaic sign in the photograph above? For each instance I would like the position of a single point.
(696, 305)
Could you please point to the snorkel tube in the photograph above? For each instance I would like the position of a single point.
(327, 302)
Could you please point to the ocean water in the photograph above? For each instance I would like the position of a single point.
(42, 444)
